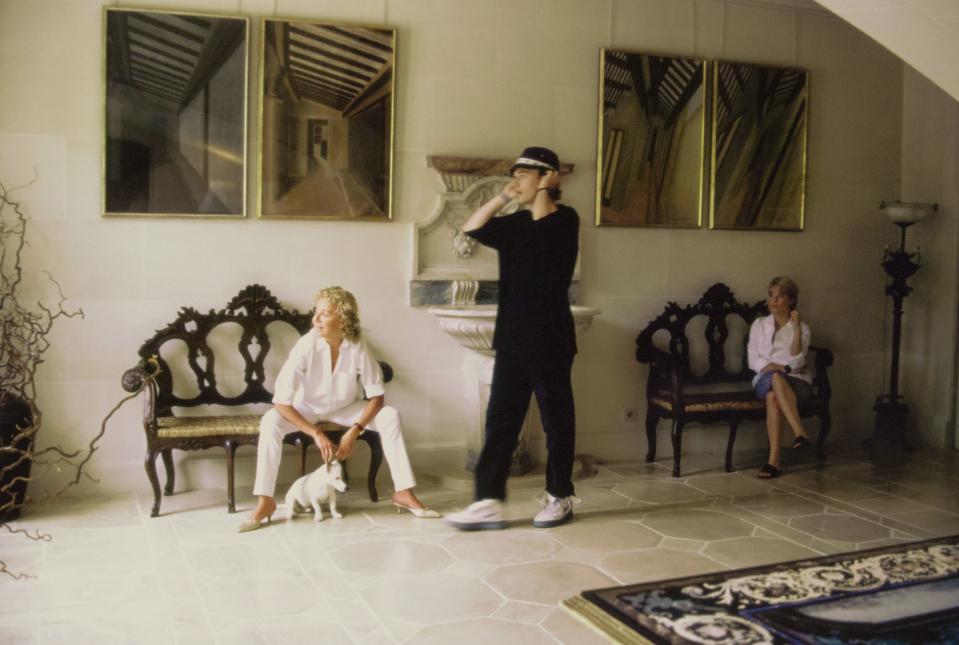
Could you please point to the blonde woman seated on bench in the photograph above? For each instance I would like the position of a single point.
(317, 383)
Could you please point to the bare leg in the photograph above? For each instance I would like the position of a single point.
(773, 428)
(265, 507)
(407, 498)
(787, 403)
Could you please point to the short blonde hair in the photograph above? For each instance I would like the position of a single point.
(344, 303)
(788, 287)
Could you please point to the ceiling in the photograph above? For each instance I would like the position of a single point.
(923, 33)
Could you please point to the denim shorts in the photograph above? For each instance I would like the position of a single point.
(803, 389)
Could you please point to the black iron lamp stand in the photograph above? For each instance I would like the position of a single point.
(899, 265)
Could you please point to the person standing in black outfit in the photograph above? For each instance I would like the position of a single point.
(534, 339)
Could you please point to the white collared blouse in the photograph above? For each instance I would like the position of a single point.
(766, 345)
(314, 387)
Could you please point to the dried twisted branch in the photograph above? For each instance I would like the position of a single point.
(24, 338)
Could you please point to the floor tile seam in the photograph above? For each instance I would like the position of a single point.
(892, 497)
(783, 531)
(194, 583)
(623, 495)
(936, 511)
(369, 608)
(838, 482)
(878, 522)
(651, 507)
(924, 487)
(825, 500)
(910, 529)
(619, 581)
(548, 633)
(603, 470)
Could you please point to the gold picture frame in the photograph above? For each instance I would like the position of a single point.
(759, 139)
(326, 121)
(652, 133)
(175, 115)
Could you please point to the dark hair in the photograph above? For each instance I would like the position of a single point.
(788, 287)
(555, 193)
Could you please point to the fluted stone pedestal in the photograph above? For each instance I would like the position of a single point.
(472, 327)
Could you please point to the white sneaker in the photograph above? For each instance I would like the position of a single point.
(478, 516)
(558, 510)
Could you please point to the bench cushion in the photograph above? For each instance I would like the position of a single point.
(713, 402)
(726, 401)
(229, 424)
(215, 426)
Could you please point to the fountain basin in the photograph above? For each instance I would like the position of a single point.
(471, 326)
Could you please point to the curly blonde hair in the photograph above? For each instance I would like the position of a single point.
(344, 303)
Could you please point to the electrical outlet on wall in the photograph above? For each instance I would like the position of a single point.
(630, 414)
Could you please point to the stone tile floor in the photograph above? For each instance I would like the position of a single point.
(111, 574)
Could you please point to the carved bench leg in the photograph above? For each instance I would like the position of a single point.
(303, 447)
(151, 468)
(652, 419)
(376, 458)
(677, 445)
(733, 428)
(230, 446)
(168, 466)
(825, 423)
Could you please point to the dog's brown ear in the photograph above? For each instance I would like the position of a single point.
(328, 462)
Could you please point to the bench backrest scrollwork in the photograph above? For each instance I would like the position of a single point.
(717, 305)
(254, 309)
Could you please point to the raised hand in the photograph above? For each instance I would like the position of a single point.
(550, 179)
(794, 317)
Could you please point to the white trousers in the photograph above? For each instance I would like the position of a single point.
(273, 427)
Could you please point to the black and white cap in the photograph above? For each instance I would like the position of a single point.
(534, 157)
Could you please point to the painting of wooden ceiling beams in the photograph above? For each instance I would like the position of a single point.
(336, 66)
(169, 57)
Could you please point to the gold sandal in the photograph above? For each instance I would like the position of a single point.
(252, 525)
(425, 512)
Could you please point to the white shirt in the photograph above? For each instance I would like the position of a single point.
(316, 388)
(766, 345)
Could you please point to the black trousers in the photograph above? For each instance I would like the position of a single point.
(515, 379)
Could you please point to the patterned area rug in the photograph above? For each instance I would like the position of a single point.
(908, 593)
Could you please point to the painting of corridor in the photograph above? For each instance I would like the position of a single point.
(175, 114)
(326, 121)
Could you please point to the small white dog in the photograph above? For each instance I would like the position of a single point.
(320, 485)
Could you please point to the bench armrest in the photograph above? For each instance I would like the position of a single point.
(823, 361)
(134, 380)
(387, 371)
(665, 373)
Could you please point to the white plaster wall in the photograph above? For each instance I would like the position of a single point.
(930, 173)
(483, 78)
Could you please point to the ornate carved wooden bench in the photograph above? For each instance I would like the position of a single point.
(718, 388)
(191, 382)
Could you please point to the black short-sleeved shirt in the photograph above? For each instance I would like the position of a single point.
(536, 262)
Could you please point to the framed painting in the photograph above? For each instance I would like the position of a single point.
(652, 120)
(175, 114)
(326, 121)
(758, 175)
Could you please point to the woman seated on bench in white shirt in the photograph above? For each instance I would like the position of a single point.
(777, 349)
(318, 382)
